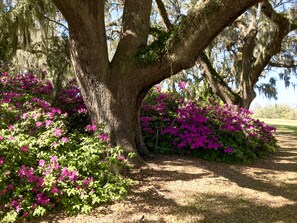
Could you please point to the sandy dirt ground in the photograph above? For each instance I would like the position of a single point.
(184, 189)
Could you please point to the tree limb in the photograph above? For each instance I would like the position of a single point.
(277, 18)
(217, 83)
(196, 31)
(86, 25)
(136, 20)
(164, 14)
(56, 22)
(282, 65)
(284, 27)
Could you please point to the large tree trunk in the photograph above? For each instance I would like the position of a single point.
(117, 106)
(113, 101)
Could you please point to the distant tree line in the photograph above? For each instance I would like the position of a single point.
(276, 111)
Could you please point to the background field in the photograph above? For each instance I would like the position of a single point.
(282, 125)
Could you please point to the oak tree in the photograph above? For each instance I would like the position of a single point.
(114, 89)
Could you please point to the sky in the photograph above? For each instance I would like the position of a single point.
(286, 96)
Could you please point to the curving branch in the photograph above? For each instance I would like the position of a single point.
(282, 65)
(56, 22)
(196, 31)
(284, 27)
(164, 14)
(217, 83)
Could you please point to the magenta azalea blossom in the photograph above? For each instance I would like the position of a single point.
(25, 115)
(10, 128)
(47, 123)
(39, 124)
(2, 160)
(25, 148)
(229, 150)
(10, 187)
(90, 128)
(182, 85)
(41, 163)
(65, 139)
(54, 159)
(57, 132)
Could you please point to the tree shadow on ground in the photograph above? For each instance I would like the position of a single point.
(148, 197)
(223, 208)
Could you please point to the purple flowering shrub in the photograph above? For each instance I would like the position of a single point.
(171, 124)
(71, 102)
(43, 165)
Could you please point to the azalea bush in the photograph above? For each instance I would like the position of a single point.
(45, 164)
(216, 132)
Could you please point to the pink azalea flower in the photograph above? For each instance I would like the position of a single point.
(10, 138)
(57, 132)
(54, 144)
(10, 187)
(121, 158)
(25, 148)
(54, 190)
(73, 176)
(10, 128)
(103, 137)
(47, 123)
(41, 163)
(229, 150)
(50, 115)
(65, 172)
(65, 139)
(40, 182)
(39, 124)
(25, 116)
(182, 85)
(14, 203)
(2, 160)
(54, 159)
(91, 128)
(1, 137)
(158, 88)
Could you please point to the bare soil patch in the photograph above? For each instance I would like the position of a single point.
(186, 189)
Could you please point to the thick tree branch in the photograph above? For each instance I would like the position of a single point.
(164, 14)
(246, 83)
(136, 19)
(284, 27)
(275, 17)
(217, 83)
(87, 33)
(203, 23)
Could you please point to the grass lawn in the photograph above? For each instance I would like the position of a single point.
(282, 125)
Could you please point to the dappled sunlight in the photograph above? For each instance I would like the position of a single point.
(226, 208)
(188, 189)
